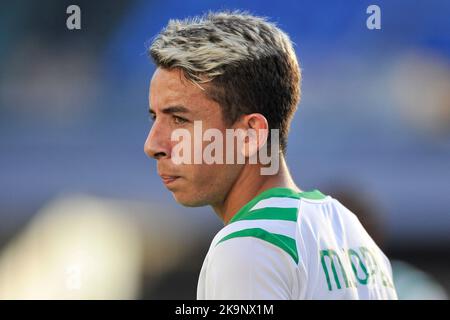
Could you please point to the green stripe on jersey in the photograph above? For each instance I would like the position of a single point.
(270, 213)
(245, 214)
(312, 195)
(285, 243)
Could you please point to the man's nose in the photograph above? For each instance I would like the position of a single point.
(157, 144)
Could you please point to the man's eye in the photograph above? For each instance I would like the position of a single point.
(152, 117)
(179, 120)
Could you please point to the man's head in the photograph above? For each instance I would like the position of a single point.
(228, 70)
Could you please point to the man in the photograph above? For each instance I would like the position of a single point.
(234, 71)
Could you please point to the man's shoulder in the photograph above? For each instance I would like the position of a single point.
(248, 267)
(270, 219)
(245, 236)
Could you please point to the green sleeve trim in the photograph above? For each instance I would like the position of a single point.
(285, 243)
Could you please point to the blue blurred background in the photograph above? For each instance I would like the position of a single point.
(83, 213)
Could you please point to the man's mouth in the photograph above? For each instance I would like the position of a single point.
(168, 179)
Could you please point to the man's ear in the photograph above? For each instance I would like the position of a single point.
(257, 131)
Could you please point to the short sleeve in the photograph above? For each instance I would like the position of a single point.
(249, 268)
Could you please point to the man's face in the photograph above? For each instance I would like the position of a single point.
(175, 103)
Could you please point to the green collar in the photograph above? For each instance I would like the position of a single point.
(279, 193)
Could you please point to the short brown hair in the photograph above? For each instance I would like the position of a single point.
(249, 62)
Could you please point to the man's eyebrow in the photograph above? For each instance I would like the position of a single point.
(171, 109)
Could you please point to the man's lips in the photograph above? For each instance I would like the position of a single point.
(167, 179)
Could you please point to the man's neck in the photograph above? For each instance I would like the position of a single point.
(249, 184)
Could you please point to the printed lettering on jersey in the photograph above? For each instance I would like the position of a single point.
(353, 267)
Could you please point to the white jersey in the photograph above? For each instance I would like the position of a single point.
(289, 245)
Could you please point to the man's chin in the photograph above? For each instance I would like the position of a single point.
(188, 201)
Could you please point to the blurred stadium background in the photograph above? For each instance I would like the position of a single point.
(83, 214)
